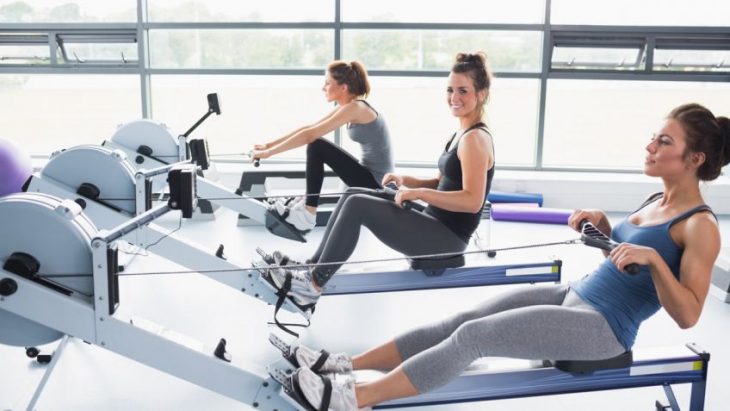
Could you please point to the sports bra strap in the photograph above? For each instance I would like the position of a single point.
(652, 198)
(689, 213)
(480, 125)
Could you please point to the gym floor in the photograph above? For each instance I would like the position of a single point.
(90, 378)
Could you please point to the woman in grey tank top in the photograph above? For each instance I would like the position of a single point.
(345, 84)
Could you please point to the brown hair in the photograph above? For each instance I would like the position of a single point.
(476, 66)
(706, 134)
(353, 74)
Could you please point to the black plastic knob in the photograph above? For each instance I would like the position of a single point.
(8, 286)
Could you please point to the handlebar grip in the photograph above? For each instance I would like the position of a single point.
(632, 268)
(605, 243)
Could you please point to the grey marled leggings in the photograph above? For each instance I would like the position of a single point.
(534, 322)
(408, 231)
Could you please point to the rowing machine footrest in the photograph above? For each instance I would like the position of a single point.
(436, 266)
(588, 367)
(280, 227)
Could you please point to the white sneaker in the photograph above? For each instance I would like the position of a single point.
(301, 218)
(335, 363)
(302, 289)
(342, 397)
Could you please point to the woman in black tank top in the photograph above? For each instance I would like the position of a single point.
(455, 196)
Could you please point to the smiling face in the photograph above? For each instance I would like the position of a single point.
(462, 97)
(666, 152)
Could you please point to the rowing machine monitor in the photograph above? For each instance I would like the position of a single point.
(183, 192)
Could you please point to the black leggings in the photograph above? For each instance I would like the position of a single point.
(321, 152)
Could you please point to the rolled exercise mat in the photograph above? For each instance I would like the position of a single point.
(501, 212)
(506, 197)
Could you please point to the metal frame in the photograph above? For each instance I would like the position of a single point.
(685, 37)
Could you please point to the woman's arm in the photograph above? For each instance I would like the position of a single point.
(476, 156)
(410, 181)
(683, 299)
(596, 217)
(305, 135)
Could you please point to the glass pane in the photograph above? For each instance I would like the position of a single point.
(517, 51)
(236, 11)
(67, 11)
(581, 58)
(254, 109)
(417, 114)
(101, 53)
(641, 13)
(51, 112)
(607, 124)
(26, 54)
(241, 48)
(691, 60)
(468, 11)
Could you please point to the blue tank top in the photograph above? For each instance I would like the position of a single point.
(627, 300)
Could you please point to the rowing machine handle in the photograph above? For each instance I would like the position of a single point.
(604, 243)
(256, 161)
(389, 193)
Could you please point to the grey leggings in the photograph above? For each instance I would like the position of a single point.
(407, 231)
(536, 322)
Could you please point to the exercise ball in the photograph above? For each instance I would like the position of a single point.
(15, 168)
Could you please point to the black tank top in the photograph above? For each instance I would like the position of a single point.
(463, 224)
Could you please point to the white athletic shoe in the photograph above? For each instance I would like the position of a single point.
(342, 397)
(340, 363)
(301, 218)
(302, 289)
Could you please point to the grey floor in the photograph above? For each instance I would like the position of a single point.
(90, 378)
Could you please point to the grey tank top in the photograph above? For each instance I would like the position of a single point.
(374, 140)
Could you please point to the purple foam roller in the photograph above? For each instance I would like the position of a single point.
(502, 212)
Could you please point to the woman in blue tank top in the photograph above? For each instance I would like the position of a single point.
(673, 236)
(347, 85)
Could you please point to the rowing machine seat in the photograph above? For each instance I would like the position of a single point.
(437, 266)
(588, 367)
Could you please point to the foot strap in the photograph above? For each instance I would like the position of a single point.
(290, 354)
(298, 394)
(282, 295)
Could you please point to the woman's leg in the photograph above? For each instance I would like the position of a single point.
(321, 152)
(391, 354)
(388, 223)
(570, 333)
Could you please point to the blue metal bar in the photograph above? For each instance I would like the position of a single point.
(404, 280)
(483, 385)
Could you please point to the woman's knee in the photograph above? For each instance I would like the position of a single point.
(316, 146)
(470, 336)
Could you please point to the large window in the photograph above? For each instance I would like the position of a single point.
(467, 11)
(67, 11)
(51, 112)
(251, 48)
(607, 124)
(420, 122)
(573, 80)
(254, 109)
(641, 13)
(513, 51)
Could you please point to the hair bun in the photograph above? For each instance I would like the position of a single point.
(724, 123)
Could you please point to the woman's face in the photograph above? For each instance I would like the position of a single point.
(332, 90)
(461, 95)
(665, 152)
